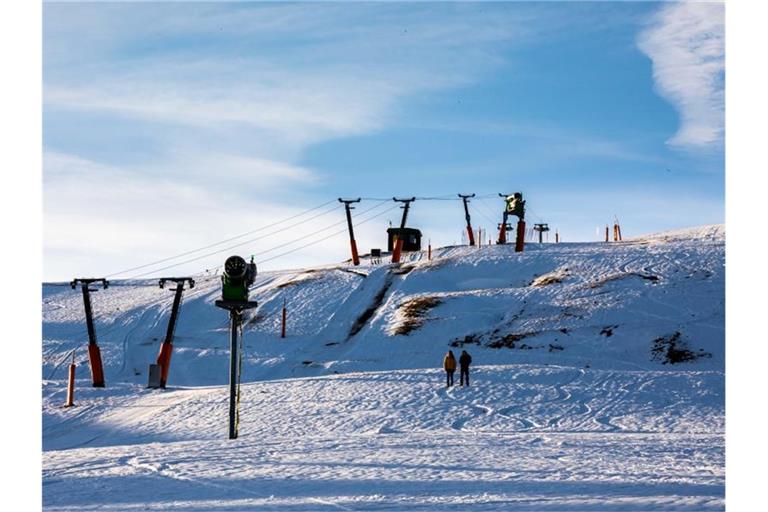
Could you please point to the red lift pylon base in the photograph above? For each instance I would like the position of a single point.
(520, 240)
(397, 251)
(97, 371)
(164, 361)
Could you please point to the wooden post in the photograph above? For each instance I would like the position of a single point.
(429, 249)
(71, 383)
(557, 237)
(282, 331)
(606, 233)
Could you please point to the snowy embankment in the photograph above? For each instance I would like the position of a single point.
(598, 385)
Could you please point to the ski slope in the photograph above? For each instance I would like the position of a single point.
(575, 402)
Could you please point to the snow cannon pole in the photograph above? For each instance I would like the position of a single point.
(520, 240)
(234, 377)
(71, 383)
(282, 330)
(352, 243)
(94, 353)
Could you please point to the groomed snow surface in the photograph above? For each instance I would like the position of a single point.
(597, 384)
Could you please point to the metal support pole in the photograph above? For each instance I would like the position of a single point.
(235, 318)
(352, 243)
(235, 309)
(282, 331)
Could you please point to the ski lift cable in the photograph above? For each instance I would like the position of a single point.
(240, 244)
(325, 238)
(305, 212)
(482, 214)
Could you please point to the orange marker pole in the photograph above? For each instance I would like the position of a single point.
(71, 384)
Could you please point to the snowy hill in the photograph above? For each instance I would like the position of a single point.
(597, 384)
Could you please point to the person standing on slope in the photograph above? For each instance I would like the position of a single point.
(464, 361)
(449, 364)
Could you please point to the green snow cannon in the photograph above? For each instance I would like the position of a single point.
(237, 278)
(516, 205)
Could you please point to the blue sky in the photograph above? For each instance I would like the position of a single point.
(171, 126)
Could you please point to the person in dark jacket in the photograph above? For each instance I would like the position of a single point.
(464, 361)
(449, 365)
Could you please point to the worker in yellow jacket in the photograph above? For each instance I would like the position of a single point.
(449, 364)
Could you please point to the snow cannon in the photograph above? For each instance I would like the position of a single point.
(237, 278)
(515, 205)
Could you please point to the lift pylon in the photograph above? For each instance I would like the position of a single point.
(398, 248)
(541, 228)
(166, 349)
(94, 353)
(352, 243)
(466, 216)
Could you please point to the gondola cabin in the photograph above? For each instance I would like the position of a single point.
(411, 238)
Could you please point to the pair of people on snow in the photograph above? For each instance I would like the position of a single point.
(449, 365)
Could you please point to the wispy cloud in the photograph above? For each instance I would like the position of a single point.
(686, 42)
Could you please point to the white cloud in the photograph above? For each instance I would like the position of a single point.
(100, 218)
(686, 43)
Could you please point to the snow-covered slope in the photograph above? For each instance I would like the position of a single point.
(597, 384)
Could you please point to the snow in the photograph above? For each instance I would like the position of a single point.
(574, 410)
